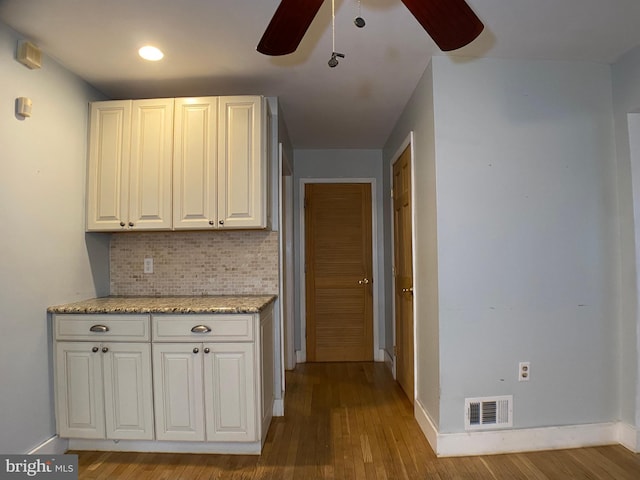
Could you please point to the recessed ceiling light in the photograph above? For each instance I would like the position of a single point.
(150, 53)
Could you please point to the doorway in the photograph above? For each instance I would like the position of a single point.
(338, 272)
(403, 272)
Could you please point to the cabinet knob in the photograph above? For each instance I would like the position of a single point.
(211, 222)
(196, 350)
(131, 224)
(221, 222)
(105, 349)
(207, 350)
(95, 349)
(122, 224)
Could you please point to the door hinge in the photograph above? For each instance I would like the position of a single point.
(395, 350)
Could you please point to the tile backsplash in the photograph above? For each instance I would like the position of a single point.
(195, 263)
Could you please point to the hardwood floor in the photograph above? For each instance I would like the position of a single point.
(352, 421)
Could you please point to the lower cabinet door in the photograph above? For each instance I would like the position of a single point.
(128, 391)
(178, 393)
(230, 392)
(79, 390)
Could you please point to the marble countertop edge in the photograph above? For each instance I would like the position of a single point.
(167, 304)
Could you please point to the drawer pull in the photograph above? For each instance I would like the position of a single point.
(99, 328)
(200, 329)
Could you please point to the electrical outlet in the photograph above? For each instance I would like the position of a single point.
(148, 265)
(524, 371)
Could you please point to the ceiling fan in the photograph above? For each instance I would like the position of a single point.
(450, 23)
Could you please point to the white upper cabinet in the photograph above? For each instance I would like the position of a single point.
(150, 169)
(183, 164)
(242, 165)
(130, 153)
(108, 173)
(195, 163)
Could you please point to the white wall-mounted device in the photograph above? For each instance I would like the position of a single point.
(23, 107)
(29, 54)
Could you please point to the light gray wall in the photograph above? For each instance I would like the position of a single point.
(527, 238)
(418, 118)
(46, 256)
(338, 164)
(626, 88)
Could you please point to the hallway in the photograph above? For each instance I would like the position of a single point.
(352, 421)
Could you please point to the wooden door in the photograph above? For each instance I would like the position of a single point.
(403, 272)
(339, 301)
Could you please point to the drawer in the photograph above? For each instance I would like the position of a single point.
(123, 328)
(206, 328)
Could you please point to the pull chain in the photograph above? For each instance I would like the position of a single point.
(359, 21)
(333, 61)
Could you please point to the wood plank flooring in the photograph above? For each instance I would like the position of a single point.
(352, 421)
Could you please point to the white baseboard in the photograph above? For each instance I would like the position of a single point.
(53, 446)
(526, 439)
(379, 355)
(227, 448)
(301, 357)
(629, 437)
(426, 424)
(278, 407)
(388, 361)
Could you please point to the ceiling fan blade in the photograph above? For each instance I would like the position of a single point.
(288, 26)
(451, 23)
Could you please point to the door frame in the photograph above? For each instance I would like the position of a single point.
(408, 142)
(378, 353)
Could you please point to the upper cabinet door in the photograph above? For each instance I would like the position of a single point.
(194, 163)
(242, 165)
(108, 173)
(150, 170)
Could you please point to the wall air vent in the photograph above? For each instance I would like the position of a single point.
(488, 413)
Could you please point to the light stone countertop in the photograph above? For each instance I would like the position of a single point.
(177, 304)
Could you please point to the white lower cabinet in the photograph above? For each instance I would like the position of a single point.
(205, 392)
(103, 389)
(210, 374)
(164, 379)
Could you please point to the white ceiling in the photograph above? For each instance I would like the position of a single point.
(210, 48)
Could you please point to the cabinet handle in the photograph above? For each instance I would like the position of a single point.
(221, 222)
(211, 222)
(207, 350)
(122, 224)
(200, 329)
(196, 350)
(105, 349)
(95, 349)
(131, 224)
(99, 328)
